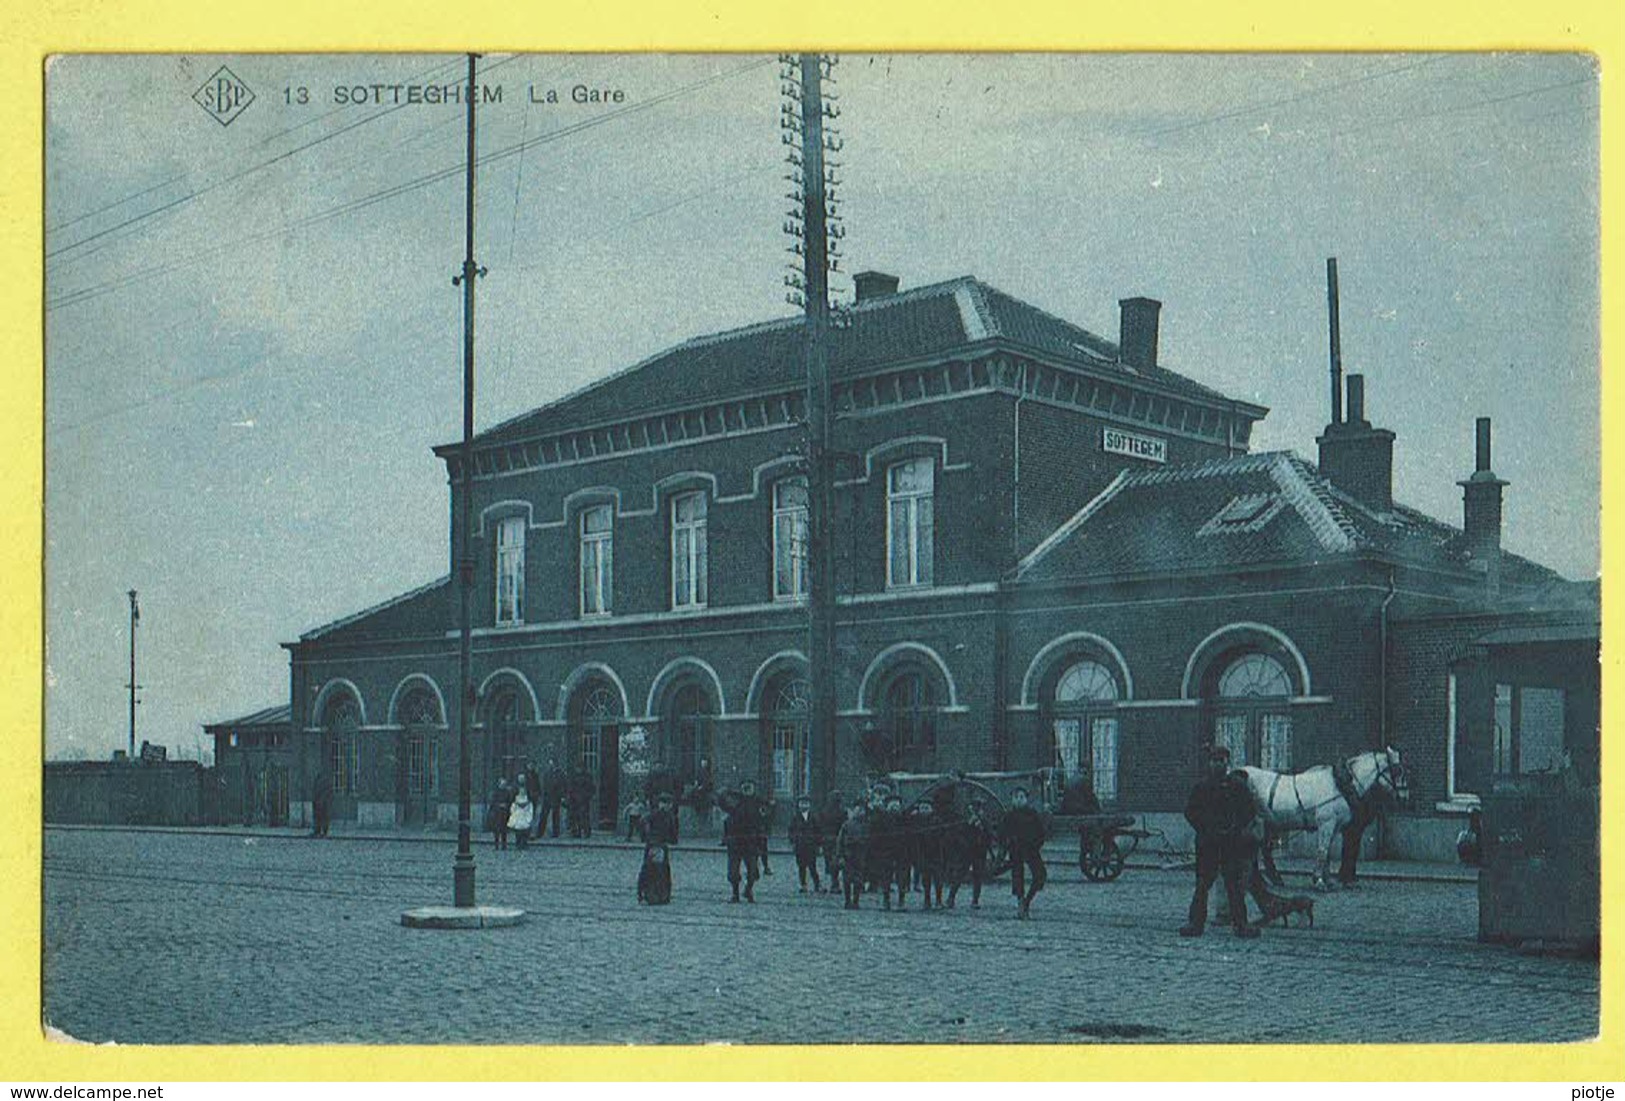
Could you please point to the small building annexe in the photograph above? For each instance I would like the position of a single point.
(1051, 551)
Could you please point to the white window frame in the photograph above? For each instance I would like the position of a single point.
(510, 565)
(601, 546)
(918, 577)
(798, 562)
(698, 587)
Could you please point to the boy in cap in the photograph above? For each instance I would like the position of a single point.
(806, 837)
(745, 835)
(1022, 832)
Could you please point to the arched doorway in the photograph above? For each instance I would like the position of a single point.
(786, 713)
(341, 723)
(1084, 727)
(418, 773)
(595, 730)
(1249, 695)
(505, 737)
(687, 725)
(909, 709)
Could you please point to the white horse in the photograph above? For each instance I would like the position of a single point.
(1313, 799)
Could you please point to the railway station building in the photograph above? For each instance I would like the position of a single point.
(1051, 551)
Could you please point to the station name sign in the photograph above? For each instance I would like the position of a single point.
(1151, 448)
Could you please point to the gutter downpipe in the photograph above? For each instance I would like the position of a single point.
(1382, 685)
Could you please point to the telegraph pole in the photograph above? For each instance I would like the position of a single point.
(813, 181)
(463, 866)
(135, 618)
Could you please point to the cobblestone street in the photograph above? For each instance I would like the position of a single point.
(170, 937)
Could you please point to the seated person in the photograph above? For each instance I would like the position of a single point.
(1470, 841)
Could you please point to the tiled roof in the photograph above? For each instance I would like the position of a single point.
(1254, 509)
(921, 323)
(424, 609)
(269, 716)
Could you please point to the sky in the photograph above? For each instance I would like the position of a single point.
(252, 340)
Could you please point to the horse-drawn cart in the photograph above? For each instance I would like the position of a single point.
(1105, 842)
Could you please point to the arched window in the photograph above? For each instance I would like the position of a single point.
(600, 714)
(1251, 717)
(688, 731)
(1084, 722)
(506, 738)
(909, 720)
(420, 720)
(785, 722)
(340, 721)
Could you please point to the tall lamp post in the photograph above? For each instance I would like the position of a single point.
(463, 912)
(462, 874)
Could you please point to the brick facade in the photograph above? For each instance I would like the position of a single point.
(1015, 445)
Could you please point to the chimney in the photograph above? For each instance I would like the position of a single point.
(1137, 332)
(873, 284)
(1481, 511)
(1357, 458)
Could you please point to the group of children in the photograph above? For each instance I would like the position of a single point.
(873, 845)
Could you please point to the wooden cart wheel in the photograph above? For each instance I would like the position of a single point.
(1102, 860)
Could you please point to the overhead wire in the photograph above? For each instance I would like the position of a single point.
(383, 195)
(223, 181)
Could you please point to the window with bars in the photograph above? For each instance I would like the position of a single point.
(420, 716)
(344, 763)
(790, 539)
(422, 764)
(787, 723)
(597, 559)
(341, 721)
(909, 537)
(511, 570)
(688, 551)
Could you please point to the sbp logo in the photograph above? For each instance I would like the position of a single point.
(223, 96)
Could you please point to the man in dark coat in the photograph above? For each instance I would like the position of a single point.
(1022, 832)
(1220, 810)
(580, 800)
(744, 832)
(830, 821)
(806, 838)
(554, 785)
(321, 803)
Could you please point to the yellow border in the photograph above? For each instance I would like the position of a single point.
(223, 26)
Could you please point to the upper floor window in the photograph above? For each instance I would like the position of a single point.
(790, 539)
(909, 487)
(597, 559)
(688, 551)
(511, 570)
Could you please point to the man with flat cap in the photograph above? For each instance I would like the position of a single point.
(1219, 810)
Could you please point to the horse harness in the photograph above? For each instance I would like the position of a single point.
(1342, 780)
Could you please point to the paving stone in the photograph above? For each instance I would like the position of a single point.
(170, 938)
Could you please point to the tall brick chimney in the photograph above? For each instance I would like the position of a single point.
(1481, 510)
(1137, 331)
(873, 284)
(1357, 458)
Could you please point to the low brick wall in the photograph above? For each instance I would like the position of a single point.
(131, 793)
